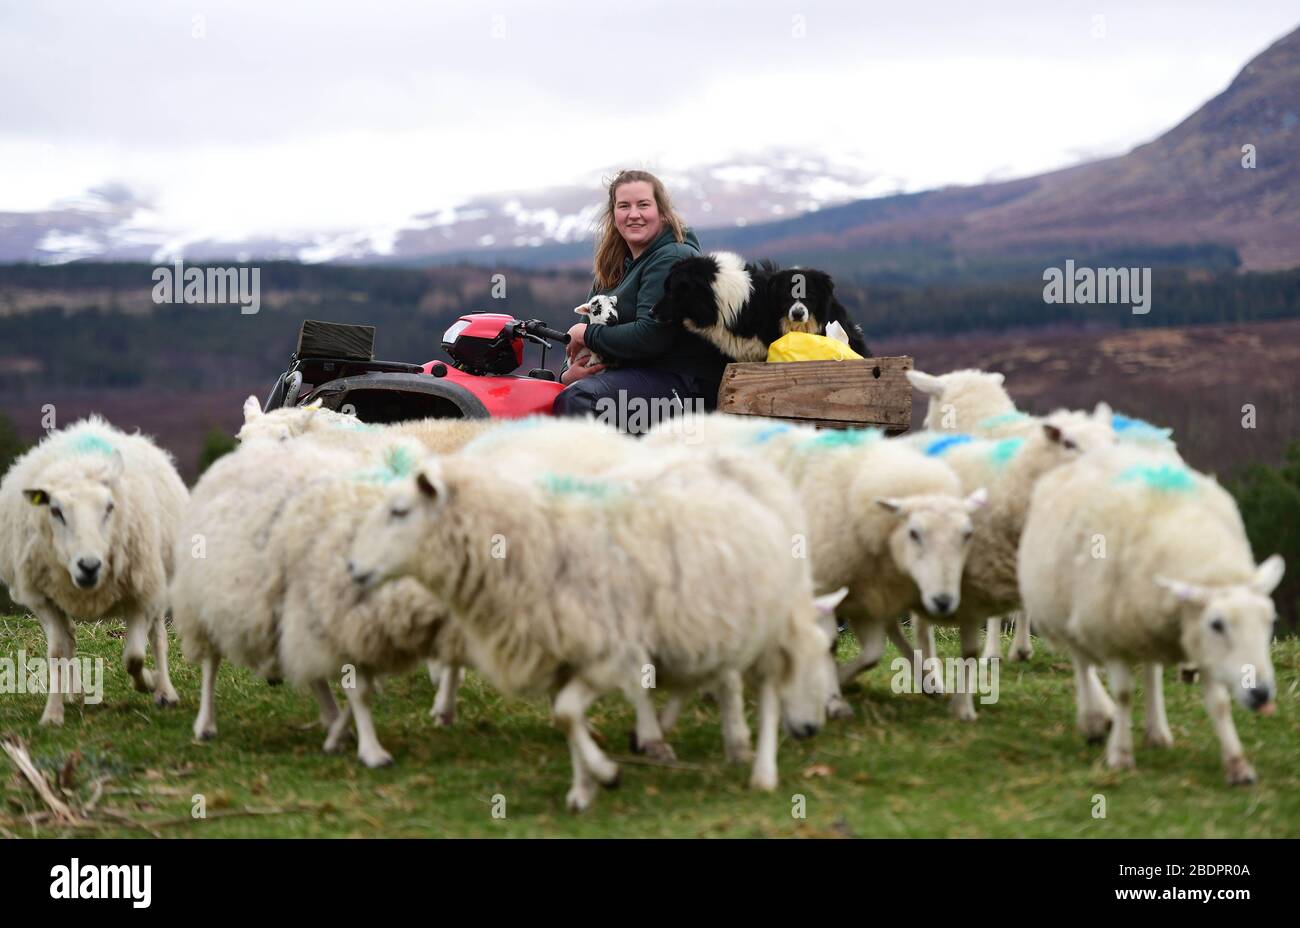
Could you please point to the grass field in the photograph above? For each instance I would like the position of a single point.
(902, 767)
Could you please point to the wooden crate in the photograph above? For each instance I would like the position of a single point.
(826, 394)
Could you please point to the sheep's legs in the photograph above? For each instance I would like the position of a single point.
(570, 708)
(369, 749)
(329, 709)
(1157, 724)
(1094, 711)
(736, 743)
(671, 711)
(649, 736)
(138, 627)
(871, 647)
(1119, 748)
(965, 681)
(205, 725)
(837, 706)
(763, 776)
(338, 729)
(931, 668)
(60, 643)
(444, 704)
(992, 640)
(1022, 648)
(164, 694)
(1218, 703)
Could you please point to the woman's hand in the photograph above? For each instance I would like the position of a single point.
(577, 332)
(576, 371)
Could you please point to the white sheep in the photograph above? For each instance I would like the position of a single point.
(256, 584)
(1129, 557)
(1008, 469)
(884, 520)
(87, 521)
(605, 582)
(438, 435)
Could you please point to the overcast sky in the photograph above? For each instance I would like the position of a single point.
(267, 116)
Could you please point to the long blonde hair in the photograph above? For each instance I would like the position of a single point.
(611, 249)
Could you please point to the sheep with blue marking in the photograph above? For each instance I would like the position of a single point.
(612, 583)
(1008, 468)
(264, 592)
(884, 520)
(1129, 557)
(87, 522)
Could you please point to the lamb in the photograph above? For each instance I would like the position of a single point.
(1130, 558)
(1008, 469)
(87, 521)
(885, 520)
(263, 591)
(673, 593)
(599, 310)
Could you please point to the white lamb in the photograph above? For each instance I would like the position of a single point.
(605, 581)
(1008, 468)
(87, 520)
(599, 310)
(884, 520)
(1130, 558)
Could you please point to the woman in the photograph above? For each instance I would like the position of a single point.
(638, 240)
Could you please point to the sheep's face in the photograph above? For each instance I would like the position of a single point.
(975, 387)
(930, 543)
(392, 535)
(82, 517)
(1227, 632)
(806, 682)
(600, 310)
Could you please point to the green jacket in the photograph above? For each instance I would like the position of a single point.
(637, 339)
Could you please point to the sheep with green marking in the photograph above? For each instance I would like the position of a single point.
(1008, 469)
(629, 581)
(263, 591)
(440, 436)
(87, 522)
(1128, 557)
(884, 520)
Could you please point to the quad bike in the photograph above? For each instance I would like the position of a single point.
(335, 364)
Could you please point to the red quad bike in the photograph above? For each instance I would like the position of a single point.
(335, 364)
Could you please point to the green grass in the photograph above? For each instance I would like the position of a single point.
(902, 767)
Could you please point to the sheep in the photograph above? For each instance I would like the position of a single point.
(438, 435)
(324, 624)
(1008, 469)
(264, 591)
(605, 580)
(1130, 558)
(599, 310)
(976, 402)
(87, 520)
(885, 521)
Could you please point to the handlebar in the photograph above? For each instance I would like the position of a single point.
(537, 327)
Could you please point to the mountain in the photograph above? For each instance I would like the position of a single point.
(114, 224)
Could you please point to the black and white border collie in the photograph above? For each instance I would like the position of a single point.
(742, 308)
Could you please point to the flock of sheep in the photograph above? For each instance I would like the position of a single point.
(564, 558)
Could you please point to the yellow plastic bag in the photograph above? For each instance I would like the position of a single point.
(800, 346)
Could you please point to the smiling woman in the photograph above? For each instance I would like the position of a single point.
(643, 361)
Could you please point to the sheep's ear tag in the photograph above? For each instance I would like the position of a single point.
(37, 497)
